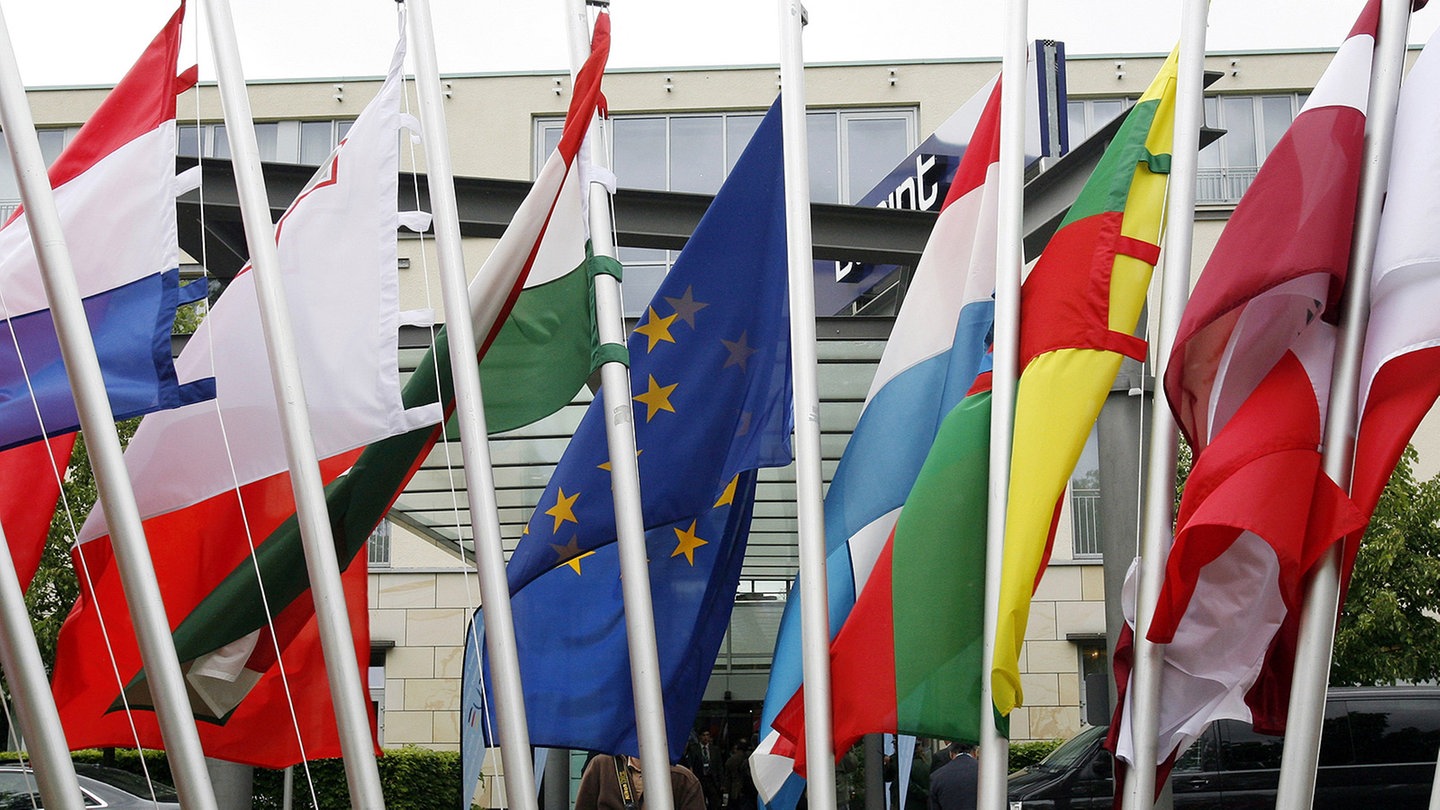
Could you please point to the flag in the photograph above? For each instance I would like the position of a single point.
(115, 193)
(1247, 381)
(710, 373)
(527, 264)
(115, 190)
(938, 347)
(197, 469)
(1078, 312)
(1398, 376)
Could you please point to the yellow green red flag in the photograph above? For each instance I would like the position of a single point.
(1078, 312)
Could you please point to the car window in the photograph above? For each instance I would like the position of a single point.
(1200, 757)
(1394, 731)
(1242, 749)
(1073, 751)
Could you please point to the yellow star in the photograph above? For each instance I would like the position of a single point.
(655, 329)
(563, 510)
(656, 399)
(728, 496)
(686, 544)
(570, 554)
(606, 465)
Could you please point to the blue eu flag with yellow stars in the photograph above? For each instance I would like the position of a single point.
(710, 379)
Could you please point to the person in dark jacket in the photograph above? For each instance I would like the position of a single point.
(616, 783)
(953, 785)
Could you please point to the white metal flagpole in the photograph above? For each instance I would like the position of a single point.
(814, 597)
(512, 726)
(1313, 649)
(346, 689)
(132, 555)
(1157, 535)
(624, 469)
(34, 702)
(1009, 260)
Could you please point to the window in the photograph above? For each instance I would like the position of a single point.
(307, 143)
(1394, 731)
(1094, 680)
(379, 545)
(850, 151)
(1253, 125)
(1088, 116)
(1085, 501)
(52, 141)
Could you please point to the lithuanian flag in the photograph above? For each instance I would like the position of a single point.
(1078, 312)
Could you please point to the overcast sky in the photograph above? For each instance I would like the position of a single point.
(60, 42)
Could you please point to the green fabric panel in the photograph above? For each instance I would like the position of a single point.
(605, 265)
(357, 502)
(939, 580)
(542, 354)
(1109, 185)
(612, 353)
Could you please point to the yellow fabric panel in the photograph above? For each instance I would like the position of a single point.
(1073, 382)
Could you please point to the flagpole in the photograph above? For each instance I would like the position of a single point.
(1306, 712)
(1009, 262)
(512, 727)
(34, 702)
(1158, 533)
(97, 421)
(346, 689)
(814, 601)
(620, 441)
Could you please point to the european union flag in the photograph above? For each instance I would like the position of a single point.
(710, 373)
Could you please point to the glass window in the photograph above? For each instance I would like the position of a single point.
(1239, 140)
(1276, 113)
(220, 142)
(872, 148)
(9, 186)
(267, 140)
(52, 141)
(697, 153)
(315, 142)
(549, 141)
(189, 137)
(824, 137)
(739, 129)
(1085, 499)
(1242, 749)
(1395, 731)
(1200, 757)
(1075, 120)
(640, 154)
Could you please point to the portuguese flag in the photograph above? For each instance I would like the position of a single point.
(1078, 312)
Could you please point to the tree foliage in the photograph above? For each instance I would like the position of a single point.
(1390, 629)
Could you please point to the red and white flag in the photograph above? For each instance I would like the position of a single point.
(211, 479)
(1248, 381)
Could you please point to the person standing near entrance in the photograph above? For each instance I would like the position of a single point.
(953, 786)
(705, 760)
(617, 783)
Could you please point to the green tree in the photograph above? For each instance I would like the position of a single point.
(1389, 631)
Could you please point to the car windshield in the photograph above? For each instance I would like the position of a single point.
(131, 783)
(1068, 755)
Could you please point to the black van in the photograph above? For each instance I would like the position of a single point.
(1377, 749)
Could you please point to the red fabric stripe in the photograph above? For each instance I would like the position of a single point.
(862, 671)
(142, 101)
(29, 489)
(191, 552)
(1071, 310)
(980, 153)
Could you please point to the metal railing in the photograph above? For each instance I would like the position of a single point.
(1085, 522)
(1224, 185)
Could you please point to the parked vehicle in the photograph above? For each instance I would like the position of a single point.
(99, 787)
(1378, 748)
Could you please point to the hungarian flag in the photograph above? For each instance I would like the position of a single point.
(1248, 380)
(1078, 312)
(907, 659)
(115, 192)
(223, 638)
